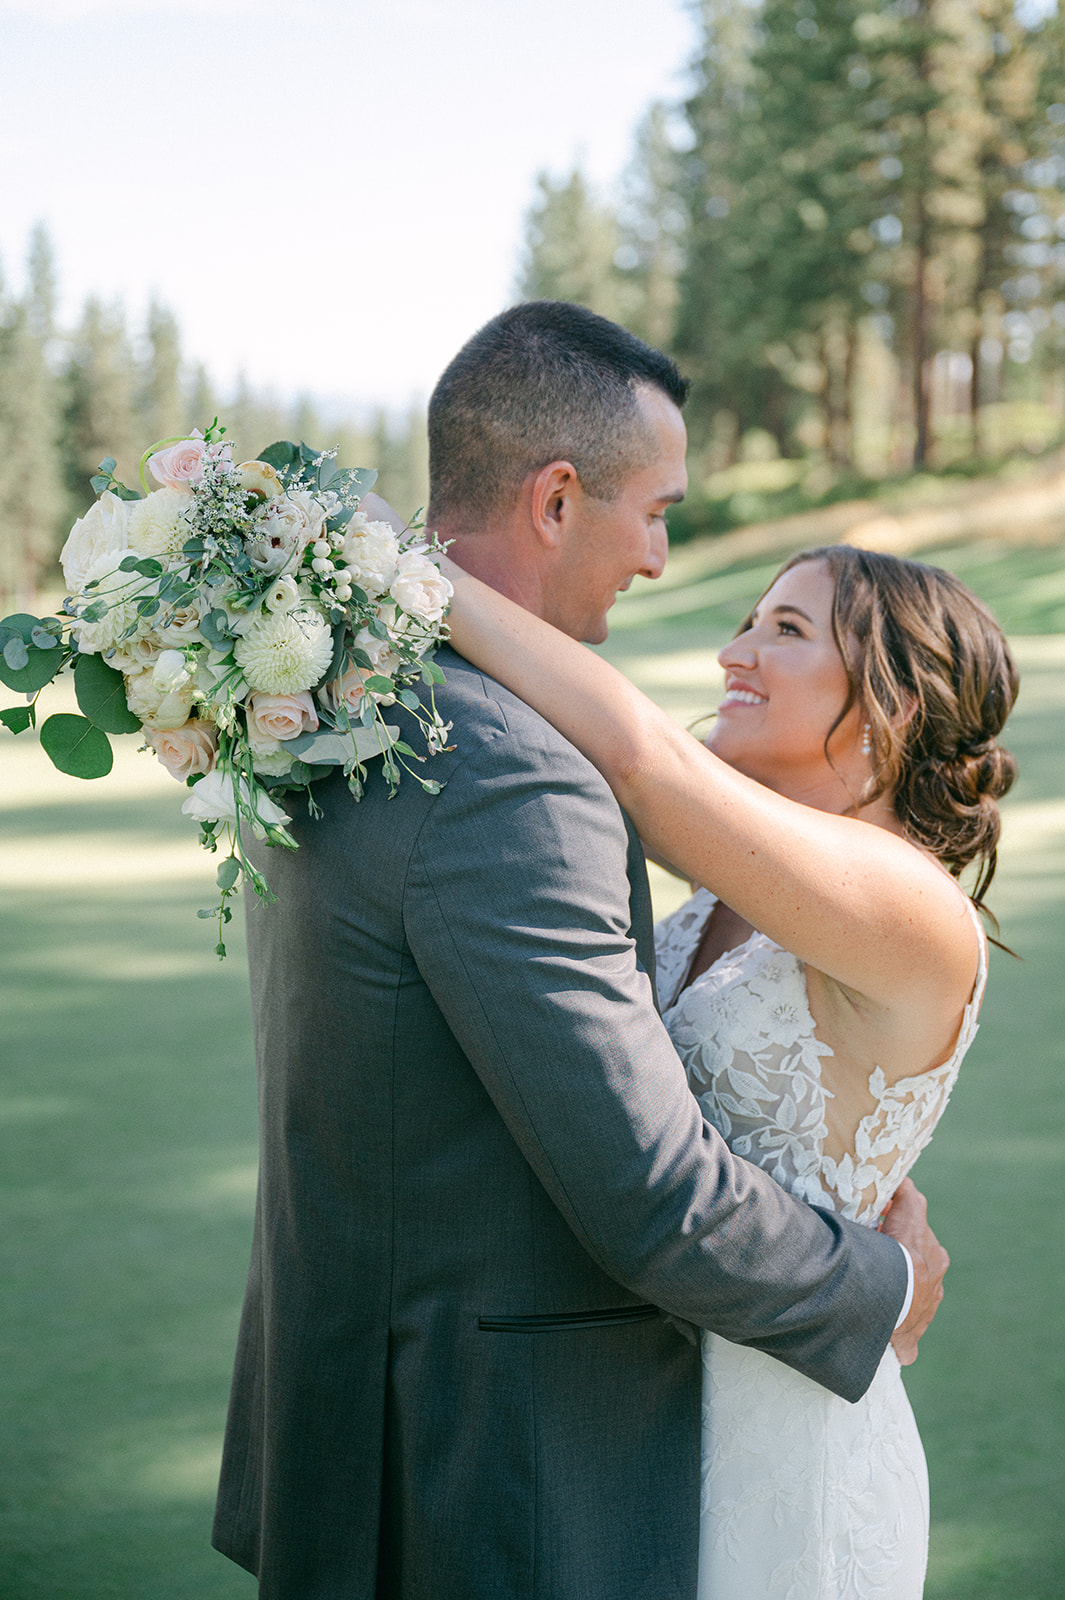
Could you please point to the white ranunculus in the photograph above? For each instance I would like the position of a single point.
(285, 651)
(371, 552)
(102, 531)
(420, 587)
(160, 524)
(214, 799)
(283, 595)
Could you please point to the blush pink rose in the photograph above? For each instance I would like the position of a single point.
(349, 690)
(180, 465)
(186, 750)
(281, 716)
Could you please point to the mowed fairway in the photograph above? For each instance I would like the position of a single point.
(127, 1151)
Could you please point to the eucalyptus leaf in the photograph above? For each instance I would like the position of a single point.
(216, 630)
(43, 639)
(101, 694)
(228, 873)
(280, 455)
(23, 666)
(74, 746)
(17, 718)
(334, 749)
(108, 465)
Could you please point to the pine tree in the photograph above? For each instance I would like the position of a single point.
(570, 246)
(31, 480)
(99, 416)
(651, 224)
(161, 402)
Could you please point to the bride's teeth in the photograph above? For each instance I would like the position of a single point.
(744, 698)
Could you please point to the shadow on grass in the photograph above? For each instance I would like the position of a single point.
(127, 1154)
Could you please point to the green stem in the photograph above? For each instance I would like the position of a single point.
(160, 444)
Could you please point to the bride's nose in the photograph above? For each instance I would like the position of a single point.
(739, 652)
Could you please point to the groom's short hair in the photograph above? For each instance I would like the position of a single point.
(545, 381)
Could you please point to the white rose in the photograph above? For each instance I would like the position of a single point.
(163, 709)
(182, 625)
(100, 532)
(383, 658)
(185, 750)
(371, 553)
(134, 655)
(159, 524)
(269, 758)
(281, 716)
(170, 671)
(214, 799)
(420, 587)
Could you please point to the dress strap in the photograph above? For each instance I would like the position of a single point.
(981, 975)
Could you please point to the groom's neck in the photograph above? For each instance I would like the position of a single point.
(503, 560)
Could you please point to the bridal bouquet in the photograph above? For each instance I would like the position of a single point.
(251, 622)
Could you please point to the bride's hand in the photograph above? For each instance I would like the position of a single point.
(907, 1222)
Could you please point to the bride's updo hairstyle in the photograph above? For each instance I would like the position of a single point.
(932, 674)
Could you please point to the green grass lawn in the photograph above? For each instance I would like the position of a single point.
(127, 1152)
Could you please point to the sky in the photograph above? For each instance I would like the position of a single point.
(329, 196)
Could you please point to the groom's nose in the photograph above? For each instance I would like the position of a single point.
(657, 551)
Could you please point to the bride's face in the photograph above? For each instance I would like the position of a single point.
(785, 685)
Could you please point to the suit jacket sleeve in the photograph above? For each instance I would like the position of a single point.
(516, 911)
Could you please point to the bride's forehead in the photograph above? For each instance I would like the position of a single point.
(809, 585)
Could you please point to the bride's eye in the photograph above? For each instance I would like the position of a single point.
(789, 627)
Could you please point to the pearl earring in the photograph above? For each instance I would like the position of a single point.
(867, 743)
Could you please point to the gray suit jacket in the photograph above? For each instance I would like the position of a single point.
(488, 1205)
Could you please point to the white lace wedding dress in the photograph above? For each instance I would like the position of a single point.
(804, 1496)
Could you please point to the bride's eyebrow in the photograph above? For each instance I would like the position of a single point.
(795, 611)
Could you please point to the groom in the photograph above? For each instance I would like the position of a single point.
(489, 1210)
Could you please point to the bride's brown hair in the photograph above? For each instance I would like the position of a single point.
(932, 674)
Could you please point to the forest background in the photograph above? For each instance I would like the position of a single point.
(850, 233)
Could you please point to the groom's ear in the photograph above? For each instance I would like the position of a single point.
(556, 491)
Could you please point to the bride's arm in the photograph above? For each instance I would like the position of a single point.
(854, 901)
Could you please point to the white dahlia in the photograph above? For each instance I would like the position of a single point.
(285, 651)
(159, 524)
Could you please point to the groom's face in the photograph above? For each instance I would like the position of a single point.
(611, 541)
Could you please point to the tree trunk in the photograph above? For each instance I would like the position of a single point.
(976, 430)
(919, 342)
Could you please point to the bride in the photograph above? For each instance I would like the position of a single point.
(821, 985)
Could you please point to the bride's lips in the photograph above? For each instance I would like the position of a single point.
(741, 694)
